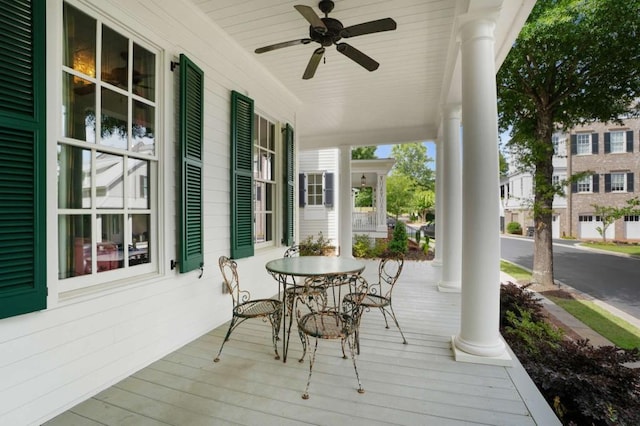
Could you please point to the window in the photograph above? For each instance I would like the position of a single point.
(617, 142)
(555, 180)
(618, 182)
(584, 144)
(314, 189)
(264, 162)
(584, 184)
(107, 150)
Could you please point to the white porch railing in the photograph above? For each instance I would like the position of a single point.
(364, 221)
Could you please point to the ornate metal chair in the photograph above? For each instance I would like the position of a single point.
(328, 318)
(293, 289)
(379, 294)
(245, 308)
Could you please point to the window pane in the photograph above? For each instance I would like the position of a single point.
(618, 142)
(140, 245)
(584, 144)
(138, 176)
(109, 181)
(74, 245)
(144, 73)
(143, 131)
(74, 177)
(264, 133)
(109, 247)
(115, 57)
(617, 182)
(80, 41)
(114, 119)
(78, 108)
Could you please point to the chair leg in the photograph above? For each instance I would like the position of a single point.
(312, 359)
(275, 320)
(384, 314)
(304, 340)
(231, 325)
(352, 348)
(393, 316)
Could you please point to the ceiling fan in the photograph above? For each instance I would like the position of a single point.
(328, 31)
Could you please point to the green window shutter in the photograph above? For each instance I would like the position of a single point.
(289, 187)
(23, 286)
(242, 132)
(191, 133)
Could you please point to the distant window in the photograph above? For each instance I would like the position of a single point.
(618, 142)
(583, 145)
(584, 184)
(618, 181)
(315, 189)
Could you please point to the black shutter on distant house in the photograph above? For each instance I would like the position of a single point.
(328, 190)
(574, 187)
(242, 131)
(607, 182)
(596, 183)
(630, 141)
(289, 219)
(191, 137)
(594, 143)
(574, 144)
(630, 182)
(607, 142)
(23, 286)
(302, 190)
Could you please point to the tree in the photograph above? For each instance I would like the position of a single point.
(399, 194)
(423, 203)
(504, 165)
(574, 62)
(608, 215)
(412, 161)
(363, 153)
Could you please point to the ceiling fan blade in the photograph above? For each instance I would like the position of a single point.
(283, 44)
(386, 24)
(312, 66)
(357, 56)
(312, 17)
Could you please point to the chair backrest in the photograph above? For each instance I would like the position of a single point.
(229, 270)
(292, 251)
(323, 294)
(389, 269)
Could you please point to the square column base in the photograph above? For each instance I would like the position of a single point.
(503, 360)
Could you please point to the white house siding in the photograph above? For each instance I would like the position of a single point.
(87, 341)
(315, 219)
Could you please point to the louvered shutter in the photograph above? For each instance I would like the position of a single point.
(607, 142)
(594, 143)
(607, 182)
(630, 182)
(630, 141)
(328, 189)
(23, 286)
(574, 144)
(242, 132)
(191, 137)
(596, 183)
(289, 190)
(302, 190)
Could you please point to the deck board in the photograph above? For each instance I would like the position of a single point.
(417, 383)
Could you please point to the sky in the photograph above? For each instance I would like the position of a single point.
(384, 151)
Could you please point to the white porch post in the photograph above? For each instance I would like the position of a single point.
(437, 259)
(479, 338)
(381, 203)
(451, 200)
(345, 226)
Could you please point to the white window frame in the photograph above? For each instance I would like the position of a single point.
(583, 144)
(312, 199)
(260, 215)
(620, 182)
(584, 185)
(96, 281)
(617, 142)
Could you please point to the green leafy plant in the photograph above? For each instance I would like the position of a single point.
(361, 246)
(319, 246)
(514, 228)
(399, 243)
(418, 236)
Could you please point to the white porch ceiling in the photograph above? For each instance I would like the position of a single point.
(346, 104)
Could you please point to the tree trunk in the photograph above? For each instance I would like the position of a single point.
(543, 204)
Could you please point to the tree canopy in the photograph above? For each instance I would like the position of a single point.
(412, 161)
(363, 153)
(574, 62)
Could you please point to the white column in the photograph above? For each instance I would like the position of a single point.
(437, 260)
(479, 338)
(345, 234)
(451, 200)
(381, 202)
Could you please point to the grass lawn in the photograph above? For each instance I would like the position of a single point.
(618, 248)
(617, 330)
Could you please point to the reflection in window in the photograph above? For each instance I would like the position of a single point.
(109, 181)
(78, 108)
(138, 251)
(114, 119)
(144, 73)
(74, 245)
(264, 178)
(115, 57)
(138, 177)
(74, 177)
(142, 133)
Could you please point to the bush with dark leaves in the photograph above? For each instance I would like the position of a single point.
(583, 384)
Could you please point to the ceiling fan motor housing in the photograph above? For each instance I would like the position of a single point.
(331, 36)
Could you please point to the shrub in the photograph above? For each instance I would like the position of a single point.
(361, 246)
(514, 228)
(418, 237)
(316, 247)
(380, 248)
(583, 384)
(399, 243)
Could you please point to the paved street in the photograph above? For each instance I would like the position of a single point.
(610, 278)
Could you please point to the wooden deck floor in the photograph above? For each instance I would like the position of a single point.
(414, 384)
